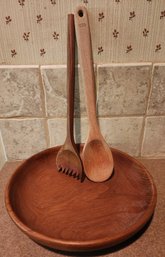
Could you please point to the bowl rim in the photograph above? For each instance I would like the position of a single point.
(69, 245)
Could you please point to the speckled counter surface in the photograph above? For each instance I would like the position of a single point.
(150, 242)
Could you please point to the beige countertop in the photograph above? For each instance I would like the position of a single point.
(150, 242)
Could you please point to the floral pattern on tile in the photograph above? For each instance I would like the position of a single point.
(20, 92)
(123, 90)
(154, 137)
(23, 137)
(157, 97)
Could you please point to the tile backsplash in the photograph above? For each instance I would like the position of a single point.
(130, 104)
(157, 98)
(23, 137)
(20, 91)
(123, 89)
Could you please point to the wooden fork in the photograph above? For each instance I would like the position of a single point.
(68, 160)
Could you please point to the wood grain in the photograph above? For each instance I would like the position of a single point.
(62, 213)
(67, 159)
(96, 156)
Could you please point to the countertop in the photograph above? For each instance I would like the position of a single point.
(149, 242)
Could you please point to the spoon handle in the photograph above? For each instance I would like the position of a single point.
(70, 77)
(86, 63)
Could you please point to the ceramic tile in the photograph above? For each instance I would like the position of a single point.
(20, 91)
(23, 137)
(157, 97)
(123, 89)
(154, 137)
(54, 81)
(3, 158)
(79, 104)
(123, 133)
(57, 130)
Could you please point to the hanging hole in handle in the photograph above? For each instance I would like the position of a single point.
(80, 13)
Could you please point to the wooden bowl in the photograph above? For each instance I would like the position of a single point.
(58, 211)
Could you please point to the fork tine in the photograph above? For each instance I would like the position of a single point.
(70, 174)
(67, 172)
(74, 175)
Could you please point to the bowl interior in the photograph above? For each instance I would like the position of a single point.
(59, 207)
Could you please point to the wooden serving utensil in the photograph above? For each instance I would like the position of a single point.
(96, 156)
(68, 160)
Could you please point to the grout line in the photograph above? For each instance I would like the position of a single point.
(16, 160)
(3, 147)
(126, 64)
(150, 90)
(43, 94)
(47, 135)
(53, 66)
(44, 91)
(84, 116)
(142, 136)
(56, 66)
(18, 66)
(22, 118)
(137, 157)
(158, 63)
(151, 157)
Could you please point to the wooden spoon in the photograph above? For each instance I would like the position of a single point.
(96, 156)
(68, 160)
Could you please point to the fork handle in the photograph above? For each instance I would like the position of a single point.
(70, 77)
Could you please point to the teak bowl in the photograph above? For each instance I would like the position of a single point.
(58, 211)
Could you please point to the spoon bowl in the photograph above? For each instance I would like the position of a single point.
(97, 156)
